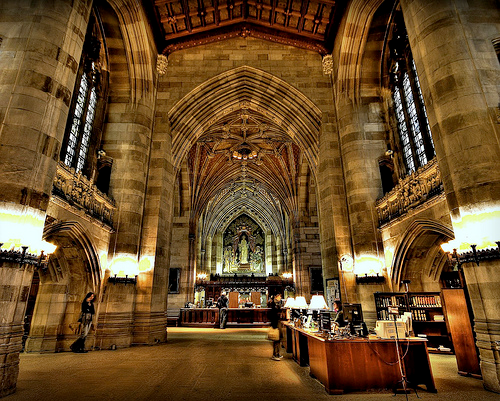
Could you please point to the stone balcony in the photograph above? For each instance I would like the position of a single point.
(411, 192)
(76, 191)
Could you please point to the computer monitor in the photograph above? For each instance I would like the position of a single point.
(325, 321)
(353, 313)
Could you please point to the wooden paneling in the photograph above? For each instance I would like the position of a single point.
(233, 299)
(459, 326)
(255, 298)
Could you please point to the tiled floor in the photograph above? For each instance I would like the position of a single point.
(205, 364)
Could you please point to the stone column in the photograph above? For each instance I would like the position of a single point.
(150, 320)
(15, 281)
(192, 268)
(458, 68)
(269, 253)
(41, 43)
(220, 249)
(208, 255)
(333, 223)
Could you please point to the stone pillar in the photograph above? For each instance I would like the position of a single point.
(208, 255)
(362, 142)
(458, 68)
(15, 281)
(269, 253)
(333, 223)
(219, 252)
(192, 268)
(41, 43)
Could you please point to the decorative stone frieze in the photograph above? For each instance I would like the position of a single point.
(79, 192)
(410, 192)
(327, 64)
(161, 64)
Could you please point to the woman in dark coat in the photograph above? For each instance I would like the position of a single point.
(86, 322)
(274, 317)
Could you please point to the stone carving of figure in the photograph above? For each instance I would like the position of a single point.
(228, 256)
(256, 259)
(243, 247)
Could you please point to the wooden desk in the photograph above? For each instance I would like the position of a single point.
(363, 364)
(206, 317)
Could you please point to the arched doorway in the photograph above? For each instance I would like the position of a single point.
(73, 270)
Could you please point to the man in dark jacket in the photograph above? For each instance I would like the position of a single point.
(222, 304)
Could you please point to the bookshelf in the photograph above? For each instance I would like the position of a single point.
(427, 315)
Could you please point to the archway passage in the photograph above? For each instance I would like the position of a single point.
(246, 143)
(72, 272)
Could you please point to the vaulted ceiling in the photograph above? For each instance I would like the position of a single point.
(308, 24)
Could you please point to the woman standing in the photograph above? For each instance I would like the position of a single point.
(274, 317)
(86, 322)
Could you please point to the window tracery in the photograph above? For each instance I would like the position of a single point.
(414, 133)
(80, 142)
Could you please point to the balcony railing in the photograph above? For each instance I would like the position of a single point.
(77, 191)
(412, 191)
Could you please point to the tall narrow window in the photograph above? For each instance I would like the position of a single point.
(415, 140)
(80, 125)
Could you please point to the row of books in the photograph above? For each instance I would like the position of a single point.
(433, 301)
(390, 301)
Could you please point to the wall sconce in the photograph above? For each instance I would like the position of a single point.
(366, 279)
(24, 257)
(474, 255)
(124, 280)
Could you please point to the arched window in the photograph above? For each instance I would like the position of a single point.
(80, 143)
(415, 140)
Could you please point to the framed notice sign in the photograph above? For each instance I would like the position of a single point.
(332, 291)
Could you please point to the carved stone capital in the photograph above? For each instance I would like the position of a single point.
(327, 64)
(161, 64)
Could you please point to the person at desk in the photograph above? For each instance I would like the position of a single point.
(339, 314)
(222, 304)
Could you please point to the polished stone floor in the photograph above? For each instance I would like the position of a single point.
(205, 364)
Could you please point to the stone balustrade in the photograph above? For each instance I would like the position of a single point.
(411, 191)
(79, 192)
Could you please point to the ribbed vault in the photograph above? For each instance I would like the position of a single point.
(244, 197)
(255, 90)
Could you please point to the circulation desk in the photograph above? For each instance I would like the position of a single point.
(360, 364)
(254, 317)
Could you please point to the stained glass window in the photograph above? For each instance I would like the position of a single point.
(413, 127)
(79, 128)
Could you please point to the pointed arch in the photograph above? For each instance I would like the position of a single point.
(78, 234)
(415, 230)
(258, 90)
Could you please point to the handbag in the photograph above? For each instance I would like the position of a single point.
(273, 334)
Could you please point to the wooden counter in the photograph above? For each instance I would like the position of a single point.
(206, 317)
(361, 364)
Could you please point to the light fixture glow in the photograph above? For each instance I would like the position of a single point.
(318, 302)
(22, 226)
(478, 227)
(300, 303)
(368, 265)
(124, 265)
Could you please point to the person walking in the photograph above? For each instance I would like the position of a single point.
(85, 320)
(222, 304)
(274, 306)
